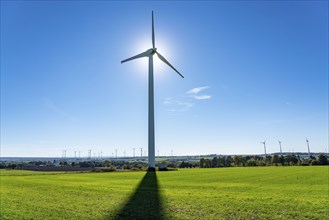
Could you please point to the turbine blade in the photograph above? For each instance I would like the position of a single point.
(144, 54)
(153, 40)
(166, 62)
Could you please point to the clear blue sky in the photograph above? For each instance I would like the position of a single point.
(253, 71)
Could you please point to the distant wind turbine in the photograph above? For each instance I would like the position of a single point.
(264, 142)
(280, 148)
(308, 147)
(151, 137)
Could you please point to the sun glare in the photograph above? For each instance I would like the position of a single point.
(162, 48)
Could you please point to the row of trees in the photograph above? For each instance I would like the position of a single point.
(117, 164)
(84, 164)
(275, 160)
(223, 161)
(18, 164)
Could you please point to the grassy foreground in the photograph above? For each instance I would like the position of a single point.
(223, 193)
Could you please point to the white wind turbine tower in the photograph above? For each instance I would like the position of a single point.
(264, 142)
(151, 137)
(280, 148)
(308, 147)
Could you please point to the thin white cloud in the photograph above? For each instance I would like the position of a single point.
(185, 102)
(183, 109)
(202, 97)
(177, 105)
(168, 101)
(196, 90)
(194, 93)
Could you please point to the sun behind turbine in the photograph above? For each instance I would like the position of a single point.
(151, 136)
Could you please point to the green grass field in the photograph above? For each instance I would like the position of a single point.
(223, 193)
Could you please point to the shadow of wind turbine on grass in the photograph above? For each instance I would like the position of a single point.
(145, 202)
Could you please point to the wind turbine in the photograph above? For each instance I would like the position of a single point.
(264, 142)
(280, 148)
(308, 147)
(151, 137)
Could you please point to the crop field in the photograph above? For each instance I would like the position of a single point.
(215, 193)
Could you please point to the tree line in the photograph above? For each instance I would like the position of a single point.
(113, 165)
(222, 161)
(250, 161)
